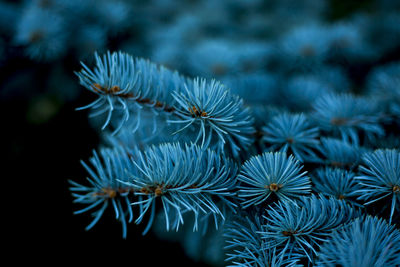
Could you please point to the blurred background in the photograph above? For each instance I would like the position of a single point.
(247, 44)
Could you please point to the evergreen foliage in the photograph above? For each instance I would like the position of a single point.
(368, 241)
(255, 133)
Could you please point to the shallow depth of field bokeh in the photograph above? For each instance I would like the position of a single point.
(279, 56)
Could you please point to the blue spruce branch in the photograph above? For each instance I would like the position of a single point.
(368, 241)
(125, 86)
(272, 173)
